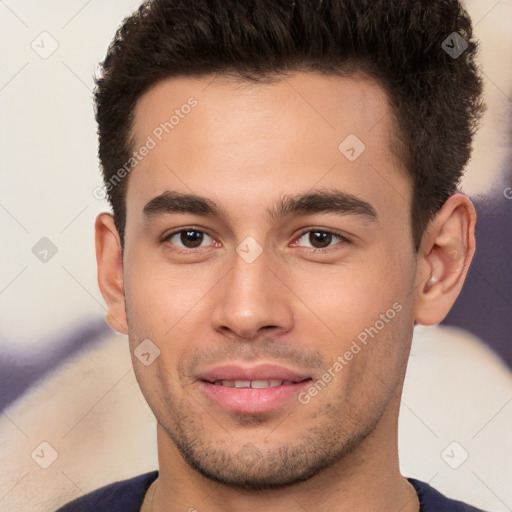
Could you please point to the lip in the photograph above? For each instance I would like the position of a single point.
(256, 372)
(252, 400)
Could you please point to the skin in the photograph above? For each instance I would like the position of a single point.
(245, 147)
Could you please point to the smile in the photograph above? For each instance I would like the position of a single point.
(254, 384)
(252, 396)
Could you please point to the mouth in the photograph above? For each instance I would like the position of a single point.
(256, 384)
(252, 390)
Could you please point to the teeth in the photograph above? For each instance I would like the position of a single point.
(255, 384)
(265, 383)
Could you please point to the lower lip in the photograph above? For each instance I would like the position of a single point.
(249, 400)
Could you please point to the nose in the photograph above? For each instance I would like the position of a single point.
(252, 299)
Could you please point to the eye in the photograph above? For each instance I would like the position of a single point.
(317, 239)
(189, 239)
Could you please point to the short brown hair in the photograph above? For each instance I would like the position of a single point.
(435, 94)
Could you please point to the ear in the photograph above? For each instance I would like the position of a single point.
(110, 271)
(446, 251)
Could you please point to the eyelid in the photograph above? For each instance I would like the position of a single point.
(343, 237)
(166, 238)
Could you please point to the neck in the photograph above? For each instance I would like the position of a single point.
(367, 478)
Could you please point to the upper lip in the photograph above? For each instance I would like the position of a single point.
(265, 371)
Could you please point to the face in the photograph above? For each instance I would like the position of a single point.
(268, 247)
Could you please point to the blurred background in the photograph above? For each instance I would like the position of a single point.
(64, 373)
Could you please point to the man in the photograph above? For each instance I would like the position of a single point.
(283, 177)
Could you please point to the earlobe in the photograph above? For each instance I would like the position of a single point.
(445, 254)
(110, 271)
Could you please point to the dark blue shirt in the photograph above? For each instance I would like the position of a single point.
(127, 496)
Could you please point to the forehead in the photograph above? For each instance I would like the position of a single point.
(248, 143)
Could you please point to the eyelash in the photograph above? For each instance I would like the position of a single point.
(343, 240)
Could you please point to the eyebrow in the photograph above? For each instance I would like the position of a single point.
(318, 201)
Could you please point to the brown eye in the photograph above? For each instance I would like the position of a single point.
(318, 240)
(189, 238)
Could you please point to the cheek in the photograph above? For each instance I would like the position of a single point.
(346, 299)
(364, 310)
(162, 299)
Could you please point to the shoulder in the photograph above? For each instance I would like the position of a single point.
(123, 496)
(433, 501)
